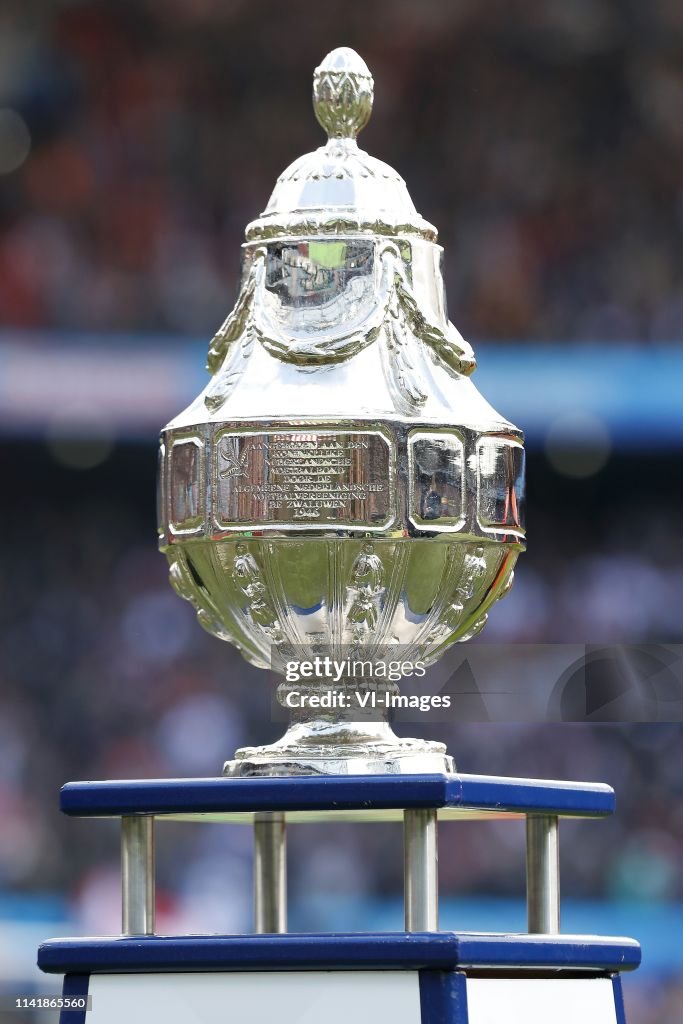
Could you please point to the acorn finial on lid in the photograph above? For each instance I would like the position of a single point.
(342, 93)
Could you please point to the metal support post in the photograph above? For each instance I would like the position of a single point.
(420, 870)
(270, 872)
(137, 874)
(543, 873)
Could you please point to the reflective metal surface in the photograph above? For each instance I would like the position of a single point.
(543, 873)
(137, 874)
(340, 484)
(270, 872)
(420, 870)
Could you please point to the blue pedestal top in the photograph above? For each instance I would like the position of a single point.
(400, 950)
(363, 797)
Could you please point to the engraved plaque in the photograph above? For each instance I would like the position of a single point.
(187, 501)
(303, 479)
(436, 461)
(500, 463)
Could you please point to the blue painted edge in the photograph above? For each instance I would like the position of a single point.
(443, 997)
(316, 793)
(74, 985)
(399, 950)
(500, 793)
(618, 999)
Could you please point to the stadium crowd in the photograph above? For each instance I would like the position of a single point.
(543, 139)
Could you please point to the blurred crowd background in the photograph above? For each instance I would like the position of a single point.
(545, 140)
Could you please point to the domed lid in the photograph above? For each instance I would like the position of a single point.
(339, 188)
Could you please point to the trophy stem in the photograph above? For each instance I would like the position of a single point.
(340, 728)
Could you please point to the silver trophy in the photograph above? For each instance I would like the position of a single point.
(340, 485)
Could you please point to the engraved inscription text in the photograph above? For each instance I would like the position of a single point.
(309, 478)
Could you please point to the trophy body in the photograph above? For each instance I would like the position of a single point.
(340, 486)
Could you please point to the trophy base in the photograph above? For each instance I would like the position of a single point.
(350, 748)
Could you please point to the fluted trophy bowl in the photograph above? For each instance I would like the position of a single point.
(340, 486)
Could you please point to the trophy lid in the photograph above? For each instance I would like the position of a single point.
(339, 188)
